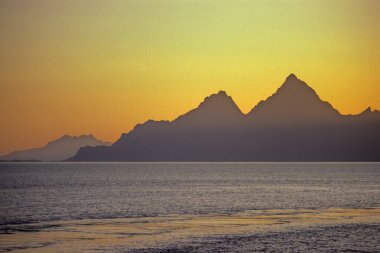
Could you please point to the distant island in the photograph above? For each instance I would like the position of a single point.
(293, 124)
(57, 150)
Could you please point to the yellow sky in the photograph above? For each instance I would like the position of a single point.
(100, 67)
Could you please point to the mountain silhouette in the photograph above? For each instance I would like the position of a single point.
(293, 124)
(218, 110)
(56, 150)
(294, 102)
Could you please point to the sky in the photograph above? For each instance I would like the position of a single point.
(100, 67)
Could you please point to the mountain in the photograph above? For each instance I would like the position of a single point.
(294, 103)
(218, 110)
(293, 124)
(57, 150)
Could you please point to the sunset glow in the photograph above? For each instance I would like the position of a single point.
(101, 67)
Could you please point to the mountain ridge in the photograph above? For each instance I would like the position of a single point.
(297, 97)
(294, 124)
(59, 149)
(214, 110)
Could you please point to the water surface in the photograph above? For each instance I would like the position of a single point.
(43, 198)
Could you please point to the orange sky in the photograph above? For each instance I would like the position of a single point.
(100, 67)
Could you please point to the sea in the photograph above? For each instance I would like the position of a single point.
(189, 207)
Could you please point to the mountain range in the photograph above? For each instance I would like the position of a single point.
(293, 124)
(57, 150)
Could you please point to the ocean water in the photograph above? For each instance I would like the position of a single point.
(321, 207)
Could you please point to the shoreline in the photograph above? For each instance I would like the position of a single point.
(158, 232)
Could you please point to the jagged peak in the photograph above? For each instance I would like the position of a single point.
(368, 113)
(292, 92)
(292, 82)
(292, 77)
(220, 95)
(219, 104)
(219, 100)
(291, 85)
(368, 110)
(212, 110)
(150, 122)
(295, 86)
(67, 137)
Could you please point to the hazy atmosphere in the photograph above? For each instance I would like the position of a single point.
(224, 126)
(100, 67)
